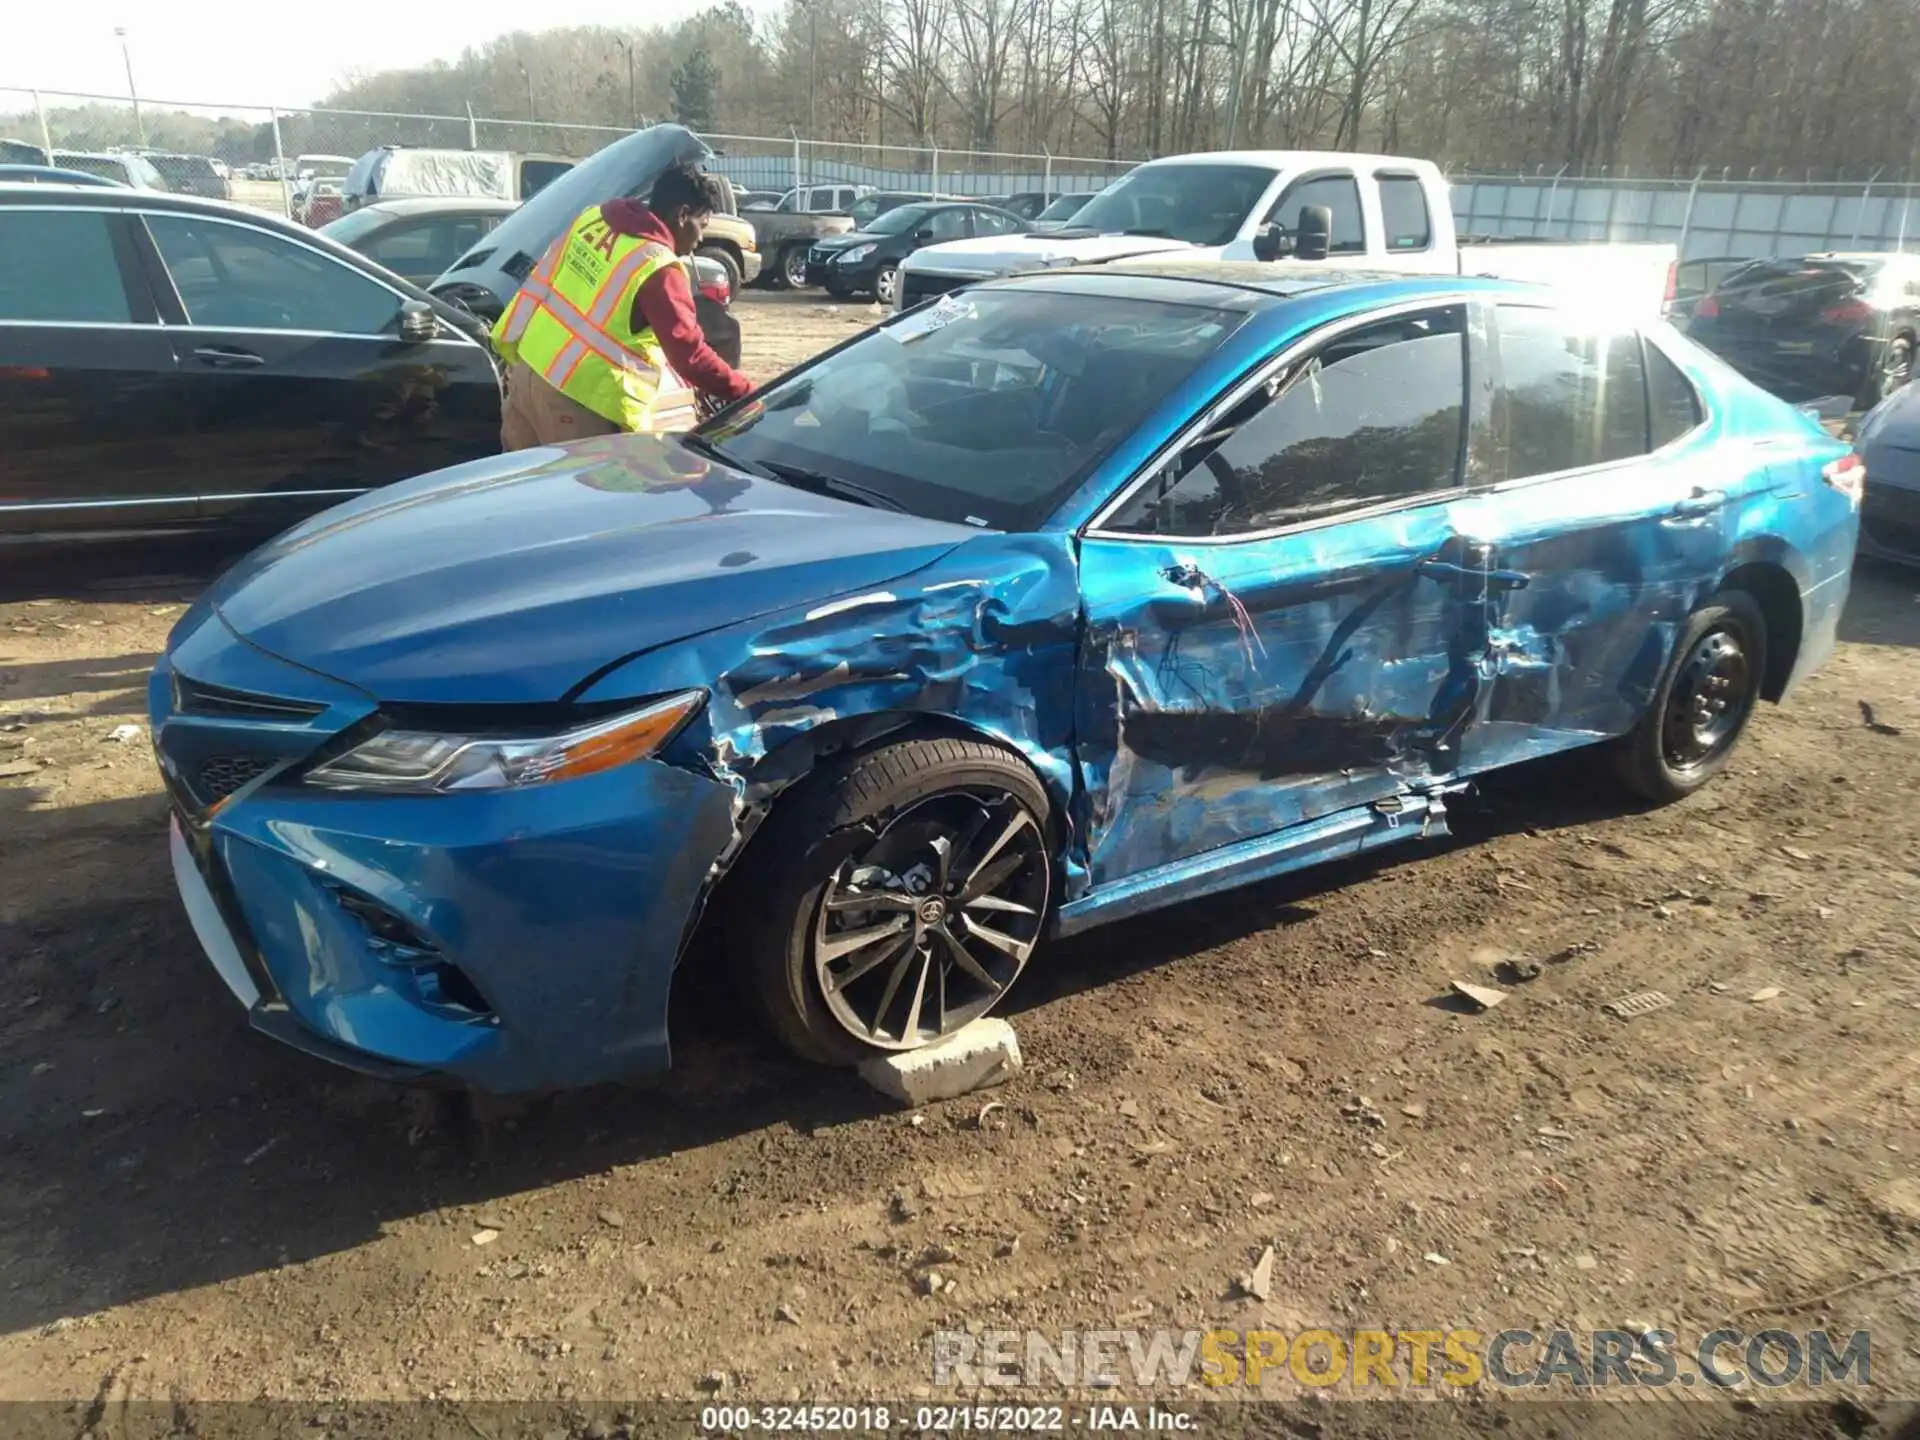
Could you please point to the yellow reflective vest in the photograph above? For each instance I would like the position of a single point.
(572, 323)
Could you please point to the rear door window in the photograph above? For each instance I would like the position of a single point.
(1570, 396)
(1376, 416)
(428, 245)
(1403, 213)
(1673, 407)
(59, 265)
(234, 277)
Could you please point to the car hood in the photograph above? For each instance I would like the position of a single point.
(514, 579)
(1000, 254)
(627, 167)
(833, 244)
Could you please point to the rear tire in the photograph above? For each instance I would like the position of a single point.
(724, 257)
(938, 849)
(791, 272)
(1702, 704)
(886, 285)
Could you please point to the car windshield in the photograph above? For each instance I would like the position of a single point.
(987, 408)
(1201, 204)
(1065, 208)
(896, 222)
(355, 226)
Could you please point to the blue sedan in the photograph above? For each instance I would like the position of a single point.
(1058, 600)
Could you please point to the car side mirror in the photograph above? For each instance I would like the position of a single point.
(1269, 243)
(1315, 232)
(924, 233)
(418, 323)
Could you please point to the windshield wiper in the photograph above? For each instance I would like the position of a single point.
(1148, 230)
(821, 483)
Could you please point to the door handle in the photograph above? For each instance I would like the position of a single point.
(1700, 502)
(223, 357)
(1492, 579)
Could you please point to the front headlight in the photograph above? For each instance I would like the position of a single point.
(418, 762)
(856, 254)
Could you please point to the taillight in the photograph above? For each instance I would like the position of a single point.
(1707, 309)
(1847, 312)
(1848, 475)
(716, 291)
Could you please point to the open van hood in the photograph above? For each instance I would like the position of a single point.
(627, 167)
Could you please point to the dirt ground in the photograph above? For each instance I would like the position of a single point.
(189, 1210)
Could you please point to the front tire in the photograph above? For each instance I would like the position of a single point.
(1703, 702)
(898, 899)
(886, 284)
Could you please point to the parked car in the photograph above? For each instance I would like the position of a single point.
(323, 167)
(867, 261)
(1694, 280)
(1027, 204)
(870, 207)
(393, 172)
(1833, 324)
(317, 203)
(758, 199)
(1239, 570)
(784, 238)
(1061, 210)
(418, 239)
(47, 175)
(191, 175)
(732, 242)
(830, 199)
(124, 168)
(171, 363)
(1387, 212)
(483, 279)
(1888, 439)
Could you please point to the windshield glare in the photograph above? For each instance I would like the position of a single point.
(1065, 208)
(1201, 204)
(987, 408)
(896, 221)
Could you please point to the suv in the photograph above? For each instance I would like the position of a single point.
(134, 171)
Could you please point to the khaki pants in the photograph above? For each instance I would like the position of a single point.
(537, 414)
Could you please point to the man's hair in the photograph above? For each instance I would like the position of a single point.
(687, 185)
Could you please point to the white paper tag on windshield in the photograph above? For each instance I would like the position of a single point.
(935, 317)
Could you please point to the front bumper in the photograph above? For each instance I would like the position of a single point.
(1890, 511)
(512, 940)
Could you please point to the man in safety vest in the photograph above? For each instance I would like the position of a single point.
(602, 336)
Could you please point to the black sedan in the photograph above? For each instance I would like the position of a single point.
(1817, 326)
(170, 363)
(419, 238)
(867, 261)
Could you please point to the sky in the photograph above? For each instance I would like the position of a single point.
(253, 52)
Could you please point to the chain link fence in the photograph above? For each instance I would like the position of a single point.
(264, 153)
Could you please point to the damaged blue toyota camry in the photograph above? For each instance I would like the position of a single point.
(1053, 601)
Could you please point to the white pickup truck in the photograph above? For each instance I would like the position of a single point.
(1387, 213)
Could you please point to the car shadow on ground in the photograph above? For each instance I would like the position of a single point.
(151, 1143)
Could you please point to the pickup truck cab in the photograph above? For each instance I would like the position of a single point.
(1386, 213)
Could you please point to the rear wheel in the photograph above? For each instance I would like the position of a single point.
(886, 284)
(1703, 701)
(792, 270)
(906, 896)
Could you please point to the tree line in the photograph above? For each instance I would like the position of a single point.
(1820, 88)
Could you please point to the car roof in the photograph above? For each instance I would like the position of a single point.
(441, 205)
(1291, 160)
(1250, 285)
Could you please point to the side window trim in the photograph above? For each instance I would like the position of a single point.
(166, 290)
(1263, 374)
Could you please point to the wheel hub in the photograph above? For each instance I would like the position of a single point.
(1710, 698)
(925, 931)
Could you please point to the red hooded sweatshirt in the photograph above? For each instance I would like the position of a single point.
(665, 305)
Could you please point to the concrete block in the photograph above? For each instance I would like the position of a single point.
(984, 1054)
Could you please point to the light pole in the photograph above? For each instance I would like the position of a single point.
(521, 65)
(120, 31)
(633, 108)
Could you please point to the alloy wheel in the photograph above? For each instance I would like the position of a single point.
(794, 267)
(1897, 369)
(929, 925)
(1711, 695)
(885, 283)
